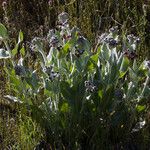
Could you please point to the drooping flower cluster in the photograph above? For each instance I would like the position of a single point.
(111, 41)
(133, 39)
(63, 19)
(51, 73)
(118, 94)
(130, 54)
(131, 46)
(36, 43)
(90, 87)
(19, 68)
(110, 38)
(114, 30)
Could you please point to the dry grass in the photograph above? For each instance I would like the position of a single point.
(92, 16)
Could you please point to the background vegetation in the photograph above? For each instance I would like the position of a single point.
(92, 16)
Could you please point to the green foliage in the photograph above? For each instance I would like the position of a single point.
(82, 100)
(3, 32)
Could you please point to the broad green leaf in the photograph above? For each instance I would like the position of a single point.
(3, 32)
(133, 75)
(132, 90)
(124, 66)
(51, 86)
(16, 82)
(43, 56)
(142, 72)
(38, 43)
(50, 55)
(135, 66)
(33, 81)
(119, 61)
(83, 44)
(107, 98)
(64, 51)
(67, 92)
(22, 51)
(82, 62)
(105, 52)
(66, 47)
(15, 50)
(94, 58)
(114, 73)
(100, 93)
(65, 107)
(147, 91)
(99, 50)
(92, 62)
(140, 108)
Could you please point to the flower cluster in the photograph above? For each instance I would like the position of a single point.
(36, 43)
(111, 41)
(109, 38)
(130, 54)
(78, 52)
(63, 19)
(118, 93)
(90, 87)
(113, 29)
(53, 41)
(133, 39)
(18, 70)
(51, 73)
(52, 38)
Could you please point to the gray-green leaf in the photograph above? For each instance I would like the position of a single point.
(4, 54)
(13, 99)
(3, 32)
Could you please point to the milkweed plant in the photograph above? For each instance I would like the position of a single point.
(83, 97)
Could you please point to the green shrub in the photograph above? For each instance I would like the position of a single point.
(82, 98)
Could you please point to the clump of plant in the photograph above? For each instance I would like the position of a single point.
(82, 99)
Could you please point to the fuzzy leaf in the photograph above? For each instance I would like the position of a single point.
(13, 99)
(4, 54)
(3, 32)
(15, 50)
(124, 66)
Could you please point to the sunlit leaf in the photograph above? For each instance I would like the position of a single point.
(64, 51)
(20, 38)
(140, 108)
(22, 51)
(124, 66)
(15, 50)
(105, 52)
(65, 107)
